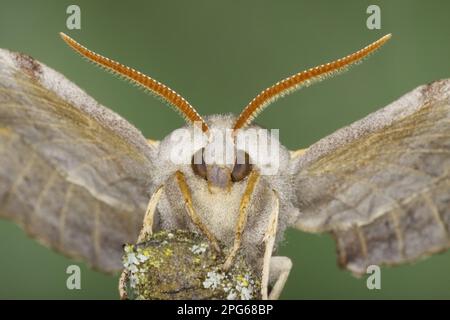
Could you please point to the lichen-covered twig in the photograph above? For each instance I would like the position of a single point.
(182, 265)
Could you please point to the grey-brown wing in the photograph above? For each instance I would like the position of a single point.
(382, 184)
(73, 174)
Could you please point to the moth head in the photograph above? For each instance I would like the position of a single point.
(224, 157)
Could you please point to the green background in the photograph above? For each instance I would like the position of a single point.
(219, 54)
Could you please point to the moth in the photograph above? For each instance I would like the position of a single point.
(83, 181)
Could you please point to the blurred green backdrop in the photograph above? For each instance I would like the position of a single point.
(219, 54)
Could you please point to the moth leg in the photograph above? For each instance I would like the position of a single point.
(280, 267)
(242, 218)
(147, 227)
(269, 239)
(191, 212)
(123, 285)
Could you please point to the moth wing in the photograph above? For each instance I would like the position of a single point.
(73, 174)
(381, 186)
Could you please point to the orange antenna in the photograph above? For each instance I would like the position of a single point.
(301, 79)
(151, 85)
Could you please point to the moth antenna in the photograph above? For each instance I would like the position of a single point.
(301, 79)
(149, 84)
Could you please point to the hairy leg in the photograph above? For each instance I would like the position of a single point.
(191, 212)
(147, 227)
(280, 267)
(242, 218)
(269, 240)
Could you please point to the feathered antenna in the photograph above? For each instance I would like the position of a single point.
(301, 79)
(151, 85)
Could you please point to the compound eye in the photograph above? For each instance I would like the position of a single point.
(242, 167)
(198, 164)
